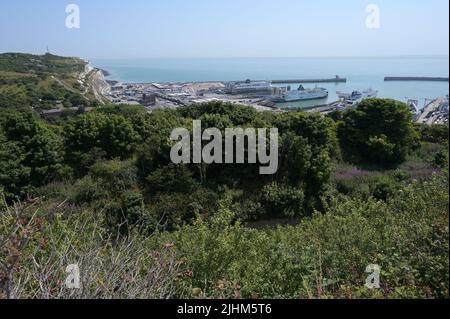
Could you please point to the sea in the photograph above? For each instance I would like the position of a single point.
(361, 73)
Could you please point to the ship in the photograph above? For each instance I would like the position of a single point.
(357, 96)
(249, 87)
(301, 94)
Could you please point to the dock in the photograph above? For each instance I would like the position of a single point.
(337, 79)
(418, 79)
(431, 115)
(322, 108)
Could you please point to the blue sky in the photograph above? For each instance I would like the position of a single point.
(225, 28)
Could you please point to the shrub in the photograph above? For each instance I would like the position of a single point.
(282, 200)
(326, 256)
(377, 131)
(35, 251)
(115, 176)
(87, 190)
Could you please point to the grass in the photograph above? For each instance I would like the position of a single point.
(35, 64)
(42, 82)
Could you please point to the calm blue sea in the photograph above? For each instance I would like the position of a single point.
(362, 73)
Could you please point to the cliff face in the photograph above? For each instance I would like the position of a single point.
(98, 84)
(49, 82)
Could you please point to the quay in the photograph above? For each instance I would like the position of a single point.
(435, 112)
(323, 108)
(337, 79)
(421, 79)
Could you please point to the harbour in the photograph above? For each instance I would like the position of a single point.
(336, 79)
(261, 95)
(355, 74)
(415, 79)
(298, 83)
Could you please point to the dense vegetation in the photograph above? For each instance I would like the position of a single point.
(42, 82)
(362, 187)
(378, 131)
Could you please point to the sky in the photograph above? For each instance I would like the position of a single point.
(225, 28)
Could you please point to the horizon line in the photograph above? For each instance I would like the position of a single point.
(278, 57)
(245, 57)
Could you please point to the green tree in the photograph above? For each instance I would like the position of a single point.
(14, 176)
(154, 151)
(115, 176)
(377, 131)
(109, 136)
(171, 179)
(32, 153)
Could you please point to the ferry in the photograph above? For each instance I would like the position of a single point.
(302, 94)
(357, 96)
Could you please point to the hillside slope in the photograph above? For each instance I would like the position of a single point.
(48, 82)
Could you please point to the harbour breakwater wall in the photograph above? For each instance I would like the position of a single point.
(332, 80)
(410, 78)
(290, 81)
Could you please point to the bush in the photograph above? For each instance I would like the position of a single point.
(377, 131)
(326, 256)
(35, 251)
(111, 136)
(126, 213)
(282, 200)
(433, 133)
(87, 190)
(115, 177)
(171, 179)
(365, 184)
(171, 211)
(31, 154)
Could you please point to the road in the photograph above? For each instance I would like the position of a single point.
(426, 117)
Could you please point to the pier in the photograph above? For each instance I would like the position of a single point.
(337, 79)
(418, 79)
(322, 108)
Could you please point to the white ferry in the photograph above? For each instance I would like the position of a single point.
(302, 94)
(357, 96)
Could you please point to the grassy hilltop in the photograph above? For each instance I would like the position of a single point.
(46, 82)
